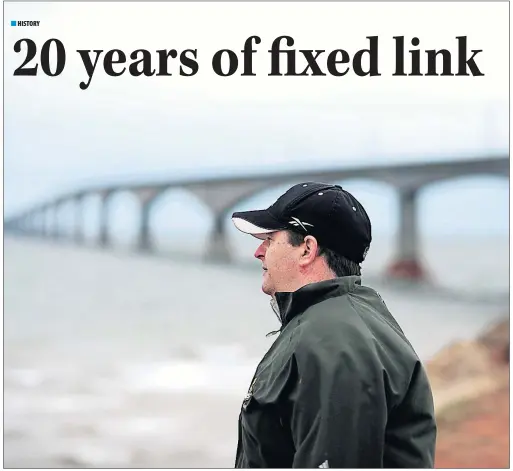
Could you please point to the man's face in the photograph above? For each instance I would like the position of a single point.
(280, 263)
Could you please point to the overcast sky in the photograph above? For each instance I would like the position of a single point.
(58, 136)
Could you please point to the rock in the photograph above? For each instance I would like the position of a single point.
(470, 369)
(496, 340)
(459, 361)
(465, 360)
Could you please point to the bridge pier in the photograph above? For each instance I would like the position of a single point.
(28, 223)
(21, 225)
(104, 238)
(33, 223)
(54, 231)
(407, 264)
(42, 222)
(147, 197)
(79, 223)
(47, 222)
(144, 243)
(218, 249)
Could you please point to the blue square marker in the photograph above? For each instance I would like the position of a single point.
(13, 23)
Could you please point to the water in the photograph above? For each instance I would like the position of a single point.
(119, 360)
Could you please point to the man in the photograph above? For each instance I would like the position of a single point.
(341, 386)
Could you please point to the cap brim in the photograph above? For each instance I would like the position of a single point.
(257, 223)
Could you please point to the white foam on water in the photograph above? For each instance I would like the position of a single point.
(94, 454)
(25, 377)
(64, 402)
(220, 369)
(138, 426)
(188, 376)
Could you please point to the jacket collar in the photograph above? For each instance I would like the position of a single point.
(288, 305)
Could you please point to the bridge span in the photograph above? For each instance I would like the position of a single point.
(222, 194)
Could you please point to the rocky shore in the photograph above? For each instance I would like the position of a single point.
(470, 381)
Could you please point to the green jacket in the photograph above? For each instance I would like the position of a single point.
(341, 387)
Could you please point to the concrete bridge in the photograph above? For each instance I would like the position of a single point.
(222, 194)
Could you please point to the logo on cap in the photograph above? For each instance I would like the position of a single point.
(296, 222)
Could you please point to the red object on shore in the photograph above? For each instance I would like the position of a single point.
(407, 270)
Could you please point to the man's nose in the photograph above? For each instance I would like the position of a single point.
(260, 252)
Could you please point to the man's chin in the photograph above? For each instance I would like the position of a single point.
(267, 290)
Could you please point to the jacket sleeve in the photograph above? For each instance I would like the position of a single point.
(338, 407)
(340, 403)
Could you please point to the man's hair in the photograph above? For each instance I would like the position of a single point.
(339, 264)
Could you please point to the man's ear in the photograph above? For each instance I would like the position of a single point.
(310, 247)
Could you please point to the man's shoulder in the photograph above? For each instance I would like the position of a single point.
(332, 322)
(337, 311)
(349, 322)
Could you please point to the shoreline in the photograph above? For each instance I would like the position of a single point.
(471, 387)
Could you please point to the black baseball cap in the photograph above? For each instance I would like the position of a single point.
(328, 212)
